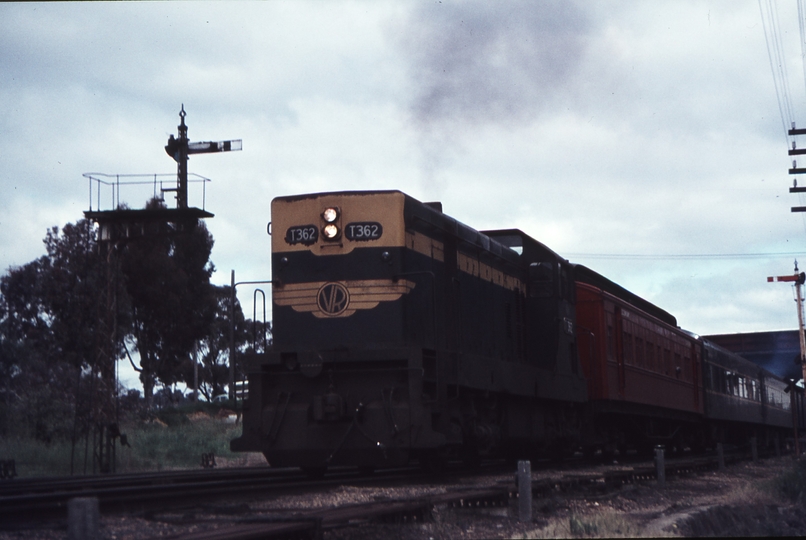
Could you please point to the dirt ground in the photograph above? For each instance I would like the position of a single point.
(741, 501)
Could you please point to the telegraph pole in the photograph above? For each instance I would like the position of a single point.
(795, 151)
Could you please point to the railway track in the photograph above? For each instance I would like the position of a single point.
(312, 523)
(23, 501)
(27, 501)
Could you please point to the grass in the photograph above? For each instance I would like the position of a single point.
(607, 524)
(792, 484)
(176, 439)
(161, 447)
(35, 458)
(763, 505)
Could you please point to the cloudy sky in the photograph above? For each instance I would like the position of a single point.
(642, 139)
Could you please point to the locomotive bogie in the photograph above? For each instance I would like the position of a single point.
(354, 409)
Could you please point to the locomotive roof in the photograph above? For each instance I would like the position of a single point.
(586, 275)
(305, 196)
(532, 249)
(432, 215)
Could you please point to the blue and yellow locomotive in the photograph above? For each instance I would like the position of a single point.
(400, 334)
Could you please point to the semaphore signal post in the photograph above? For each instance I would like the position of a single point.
(116, 226)
(798, 279)
(180, 148)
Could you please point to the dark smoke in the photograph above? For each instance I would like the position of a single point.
(493, 61)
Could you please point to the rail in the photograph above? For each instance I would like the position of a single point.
(35, 501)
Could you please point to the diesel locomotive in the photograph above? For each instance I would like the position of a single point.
(402, 334)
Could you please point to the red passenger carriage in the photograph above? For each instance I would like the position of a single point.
(643, 372)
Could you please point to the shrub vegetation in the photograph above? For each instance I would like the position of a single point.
(167, 439)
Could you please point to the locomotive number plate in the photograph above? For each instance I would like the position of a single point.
(362, 232)
(305, 234)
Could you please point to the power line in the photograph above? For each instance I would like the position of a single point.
(775, 54)
(682, 256)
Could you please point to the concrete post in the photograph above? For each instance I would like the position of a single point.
(83, 518)
(524, 479)
(660, 466)
(720, 456)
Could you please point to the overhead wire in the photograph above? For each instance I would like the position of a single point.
(781, 60)
(802, 31)
(775, 53)
(772, 37)
(680, 256)
(778, 65)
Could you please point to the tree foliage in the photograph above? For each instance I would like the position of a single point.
(53, 311)
(167, 273)
(48, 327)
(213, 352)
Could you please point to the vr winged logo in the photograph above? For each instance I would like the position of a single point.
(330, 299)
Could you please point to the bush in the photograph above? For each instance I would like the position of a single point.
(171, 439)
(174, 443)
(33, 457)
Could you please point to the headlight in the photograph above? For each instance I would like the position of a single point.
(331, 232)
(330, 215)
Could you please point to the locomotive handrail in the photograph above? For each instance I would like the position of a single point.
(254, 319)
(233, 286)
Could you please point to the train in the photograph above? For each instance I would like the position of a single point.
(403, 335)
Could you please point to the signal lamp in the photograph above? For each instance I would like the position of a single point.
(331, 232)
(330, 215)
